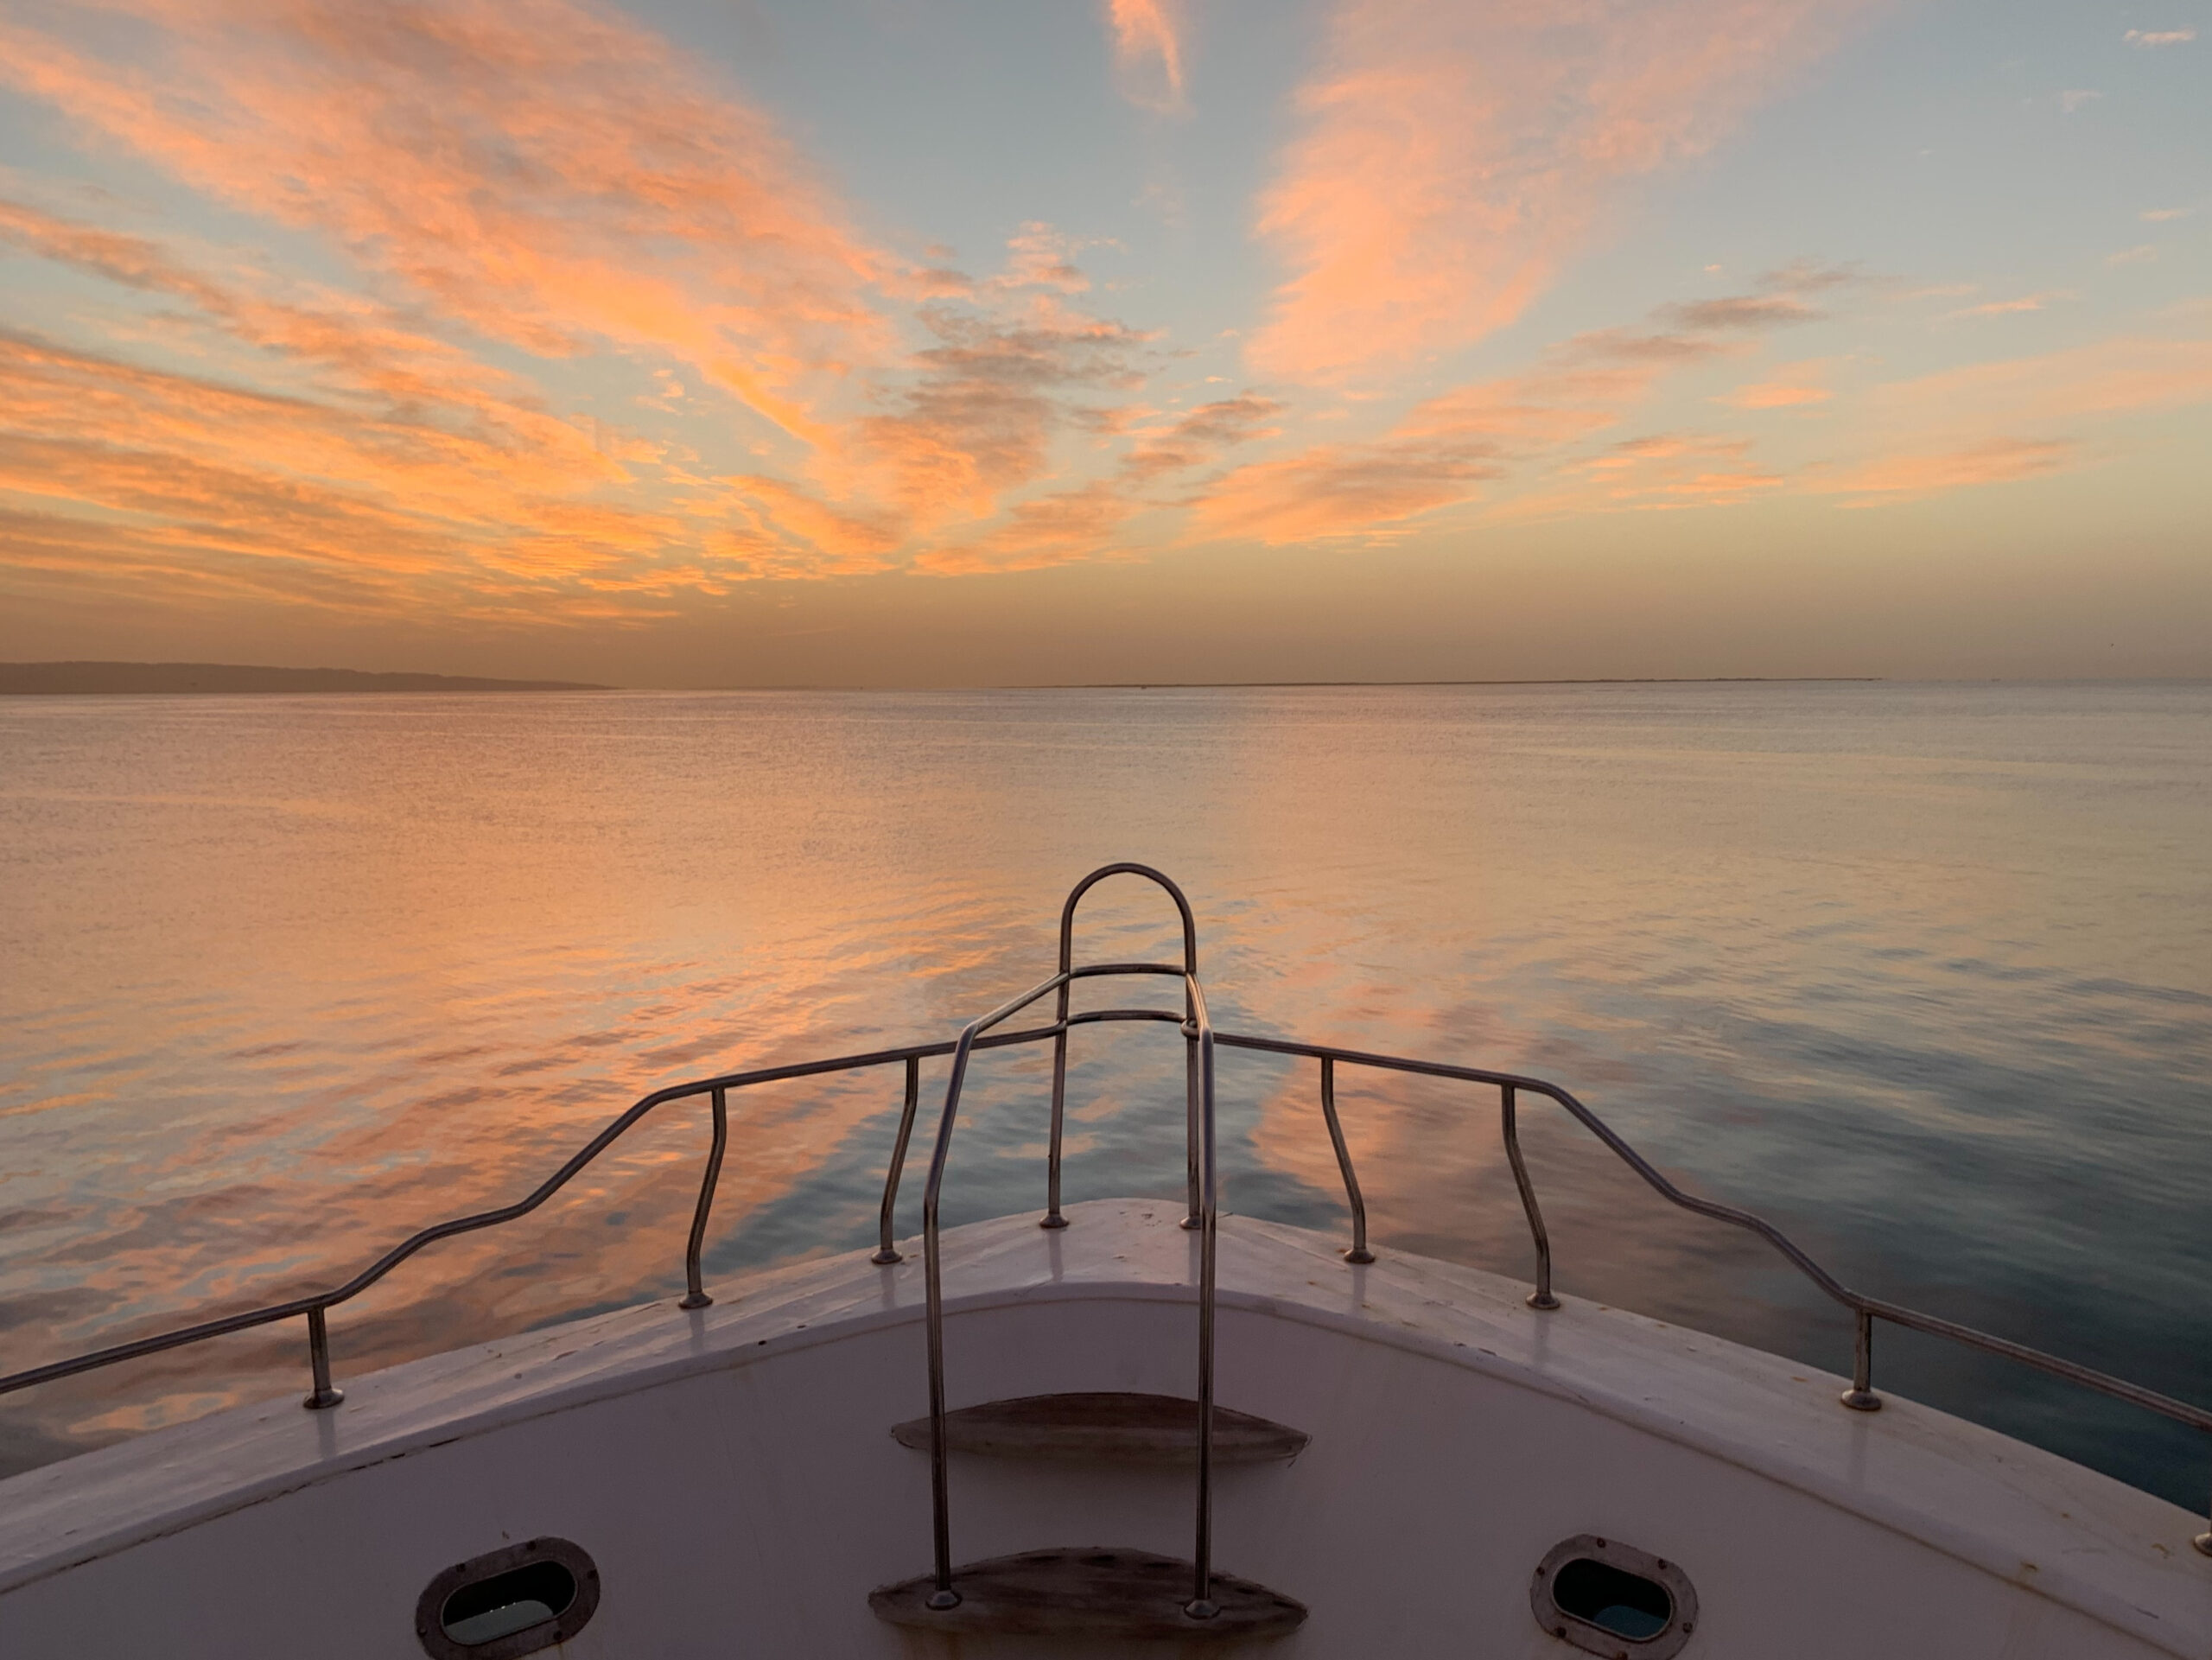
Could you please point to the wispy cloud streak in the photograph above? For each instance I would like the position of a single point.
(1149, 38)
(1452, 157)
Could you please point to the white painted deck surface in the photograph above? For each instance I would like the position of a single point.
(732, 1473)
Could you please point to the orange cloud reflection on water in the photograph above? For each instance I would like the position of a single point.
(317, 972)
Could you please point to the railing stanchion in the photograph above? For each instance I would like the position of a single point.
(944, 1596)
(1860, 1397)
(886, 1253)
(1052, 1216)
(1202, 1604)
(1192, 1217)
(1509, 1124)
(325, 1395)
(694, 1295)
(1359, 1253)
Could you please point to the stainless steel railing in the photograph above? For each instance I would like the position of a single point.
(1203, 1198)
(1203, 1191)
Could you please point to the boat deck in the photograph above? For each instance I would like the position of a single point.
(1408, 1371)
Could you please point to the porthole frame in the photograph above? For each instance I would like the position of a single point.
(1596, 1639)
(430, 1607)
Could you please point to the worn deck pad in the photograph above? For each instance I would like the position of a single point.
(1087, 1591)
(1107, 1426)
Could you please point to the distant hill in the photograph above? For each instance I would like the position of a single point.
(78, 678)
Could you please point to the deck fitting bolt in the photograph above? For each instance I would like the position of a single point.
(1359, 1258)
(1191, 1224)
(696, 1300)
(1199, 1608)
(1055, 1220)
(2203, 1542)
(1542, 1300)
(322, 1400)
(885, 1257)
(1861, 1400)
(942, 1600)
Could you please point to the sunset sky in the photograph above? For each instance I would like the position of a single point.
(699, 343)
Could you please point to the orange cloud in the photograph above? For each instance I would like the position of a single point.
(503, 161)
(1341, 489)
(1673, 470)
(1198, 437)
(1148, 51)
(1446, 448)
(1454, 156)
(1086, 521)
(1997, 461)
(2008, 307)
(1776, 395)
(1062, 525)
(186, 481)
(2114, 376)
(1794, 385)
(993, 392)
(550, 179)
(1962, 427)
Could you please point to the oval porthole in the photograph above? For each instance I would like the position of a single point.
(508, 1602)
(1611, 1599)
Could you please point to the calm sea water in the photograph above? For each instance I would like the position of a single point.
(1925, 973)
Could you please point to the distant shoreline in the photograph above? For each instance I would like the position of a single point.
(1590, 680)
(91, 679)
(82, 679)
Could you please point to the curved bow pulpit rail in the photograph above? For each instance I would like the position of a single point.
(1202, 1196)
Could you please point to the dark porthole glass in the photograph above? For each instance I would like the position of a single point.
(509, 1602)
(1612, 1599)
(1625, 1604)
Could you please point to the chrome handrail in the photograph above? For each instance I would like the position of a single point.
(1203, 1197)
(1197, 1029)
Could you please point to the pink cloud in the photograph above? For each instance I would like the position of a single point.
(1149, 50)
(1454, 156)
(2142, 38)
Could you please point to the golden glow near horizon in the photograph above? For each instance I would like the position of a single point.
(873, 342)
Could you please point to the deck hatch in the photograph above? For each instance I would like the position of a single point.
(509, 1602)
(1611, 1599)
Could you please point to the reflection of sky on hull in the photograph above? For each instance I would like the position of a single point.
(1919, 971)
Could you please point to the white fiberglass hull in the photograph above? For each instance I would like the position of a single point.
(731, 1472)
